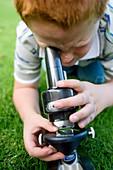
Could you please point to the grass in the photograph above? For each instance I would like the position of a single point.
(12, 152)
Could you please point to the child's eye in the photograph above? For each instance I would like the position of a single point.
(82, 46)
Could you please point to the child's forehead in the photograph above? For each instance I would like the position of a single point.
(54, 33)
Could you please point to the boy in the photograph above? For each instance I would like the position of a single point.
(83, 33)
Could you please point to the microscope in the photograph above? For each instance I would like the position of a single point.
(69, 135)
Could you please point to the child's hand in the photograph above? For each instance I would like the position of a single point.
(89, 97)
(32, 127)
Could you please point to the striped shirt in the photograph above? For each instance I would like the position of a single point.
(28, 55)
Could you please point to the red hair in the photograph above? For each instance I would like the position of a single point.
(64, 13)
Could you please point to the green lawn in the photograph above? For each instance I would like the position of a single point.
(13, 155)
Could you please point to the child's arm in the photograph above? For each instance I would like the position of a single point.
(26, 100)
(91, 97)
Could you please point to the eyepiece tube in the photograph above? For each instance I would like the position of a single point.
(53, 67)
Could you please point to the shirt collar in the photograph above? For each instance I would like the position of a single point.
(94, 50)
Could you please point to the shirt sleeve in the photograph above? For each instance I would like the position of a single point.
(106, 32)
(27, 62)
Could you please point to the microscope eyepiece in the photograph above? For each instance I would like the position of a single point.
(53, 67)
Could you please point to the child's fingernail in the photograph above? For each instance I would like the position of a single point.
(57, 104)
(55, 128)
(50, 152)
(82, 125)
(59, 83)
(75, 118)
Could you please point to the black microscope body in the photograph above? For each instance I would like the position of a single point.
(69, 135)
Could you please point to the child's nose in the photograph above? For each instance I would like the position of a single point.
(68, 58)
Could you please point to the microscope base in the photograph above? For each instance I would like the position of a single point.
(68, 163)
(64, 166)
(77, 164)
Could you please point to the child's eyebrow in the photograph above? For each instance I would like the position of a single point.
(55, 39)
(85, 42)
